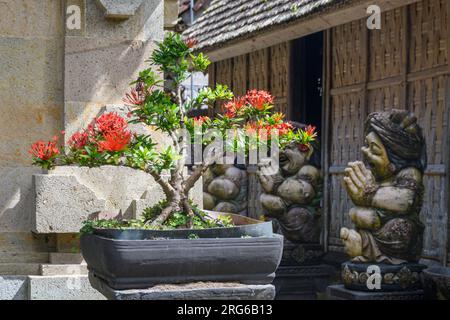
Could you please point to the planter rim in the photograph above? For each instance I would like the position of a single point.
(244, 226)
(438, 271)
(196, 240)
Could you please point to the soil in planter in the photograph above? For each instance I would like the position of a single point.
(179, 220)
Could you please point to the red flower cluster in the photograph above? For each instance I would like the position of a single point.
(264, 130)
(232, 107)
(308, 134)
(108, 132)
(44, 150)
(200, 120)
(259, 99)
(115, 141)
(311, 131)
(110, 122)
(78, 140)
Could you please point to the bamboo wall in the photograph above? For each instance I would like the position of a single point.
(403, 65)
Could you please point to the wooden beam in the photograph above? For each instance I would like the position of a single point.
(326, 136)
(302, 27)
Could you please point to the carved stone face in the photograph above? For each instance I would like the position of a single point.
(292, 159)
(376, 156)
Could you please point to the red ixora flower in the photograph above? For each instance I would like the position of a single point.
(259, 99)
(115, 141)
(110, 122)
(44, 150)
(200, 120)
(311, 131)
(134, 98)
(232, 107)
(190, 42)
(78, 140)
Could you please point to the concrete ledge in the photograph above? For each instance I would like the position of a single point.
(63, 269)
(66, 258)
(120, 9)
(62, 288)
(190, 291)
(13, 288)
(19, 269)
(338, 292)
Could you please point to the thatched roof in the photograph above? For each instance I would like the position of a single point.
(227, 20)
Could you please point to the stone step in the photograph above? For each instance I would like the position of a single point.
(63, 269)
(24, 257)
(26, 242)
(20, 269)
(62, 288)
(65, 258)
(13, 287)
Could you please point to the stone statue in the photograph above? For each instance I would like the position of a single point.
(292, 195)
(225, 188)
(388, 193)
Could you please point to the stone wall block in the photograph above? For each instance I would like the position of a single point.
(99, 70)
(62, 203)
(25, 18)
(13, 288)
(75, 287)
(146, 23)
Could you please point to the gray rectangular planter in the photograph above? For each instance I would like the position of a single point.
(137, 264)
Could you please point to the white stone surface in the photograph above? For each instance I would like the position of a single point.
(62, 288)
(69, 195)
(120, 9)
(63, 269)
(13, 288)
(62, 203)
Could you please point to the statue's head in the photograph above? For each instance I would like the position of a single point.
(393, 141)
(292, 159)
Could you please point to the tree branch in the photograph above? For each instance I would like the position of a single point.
(168, 190)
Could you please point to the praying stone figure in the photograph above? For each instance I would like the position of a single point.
(225, 189)
(388, 197)
(292, 195)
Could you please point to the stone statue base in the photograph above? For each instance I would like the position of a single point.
(302, 282)
(363, 277)
(339, 292)
(301, 274)
(295, 254)
(188, 291)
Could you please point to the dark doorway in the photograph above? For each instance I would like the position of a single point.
(307, 80)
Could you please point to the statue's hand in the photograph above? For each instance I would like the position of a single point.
(359, 183)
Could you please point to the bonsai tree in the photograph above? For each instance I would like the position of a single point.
(246, 123)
